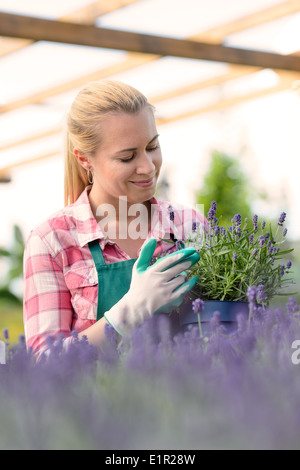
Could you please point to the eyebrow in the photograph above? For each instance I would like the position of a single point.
(131, 150)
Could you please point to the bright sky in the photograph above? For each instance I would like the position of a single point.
(263, 133)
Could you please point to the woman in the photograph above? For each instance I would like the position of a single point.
(91, 263)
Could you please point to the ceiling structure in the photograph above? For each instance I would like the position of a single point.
(226, 56)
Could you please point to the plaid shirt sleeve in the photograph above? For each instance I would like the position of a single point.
(47, 305)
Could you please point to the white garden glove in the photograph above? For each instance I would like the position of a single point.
(154, 289)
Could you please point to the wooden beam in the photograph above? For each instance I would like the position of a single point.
(221, 105)
(5, 176)
(219, 33)
(31, 138)
(7, 169)
(234, 73)
(135, 60)
(285, 84)
(85, 15)
(214, 81)
(132, 60)
(71, 33)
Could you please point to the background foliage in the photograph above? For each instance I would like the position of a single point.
(225, 183)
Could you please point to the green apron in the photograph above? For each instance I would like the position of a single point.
(113, 279)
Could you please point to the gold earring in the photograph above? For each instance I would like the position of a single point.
(90, 176)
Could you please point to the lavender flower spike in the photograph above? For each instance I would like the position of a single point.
(255, 218)
(195, 226)
(251, 294)
(281, 219)
(237, 219)
(197, 305)
(5, 334)
(171, 213)
(261, 295)
(212, 211)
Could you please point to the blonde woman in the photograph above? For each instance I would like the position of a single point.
(91, 264)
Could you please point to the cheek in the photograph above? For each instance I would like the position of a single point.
(158, 161)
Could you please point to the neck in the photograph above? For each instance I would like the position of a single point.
(119, 212)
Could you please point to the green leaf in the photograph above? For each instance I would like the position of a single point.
(4, 252)
(285, 252)
(224, 252)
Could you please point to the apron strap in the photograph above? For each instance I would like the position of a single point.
(97, 254)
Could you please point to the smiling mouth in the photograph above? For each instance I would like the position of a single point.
(148, 182)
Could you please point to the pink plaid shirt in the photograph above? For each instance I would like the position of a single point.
(60, 277)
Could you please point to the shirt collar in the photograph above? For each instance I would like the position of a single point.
(88, 228)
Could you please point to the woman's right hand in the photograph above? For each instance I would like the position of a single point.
(154, 288)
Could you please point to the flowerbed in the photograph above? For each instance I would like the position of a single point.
(220, 391)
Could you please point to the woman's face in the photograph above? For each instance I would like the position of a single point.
(129, 160)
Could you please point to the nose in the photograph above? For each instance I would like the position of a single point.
(145, 165)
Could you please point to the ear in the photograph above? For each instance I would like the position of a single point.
(82, 159)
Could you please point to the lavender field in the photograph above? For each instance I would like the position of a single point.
(155, 391)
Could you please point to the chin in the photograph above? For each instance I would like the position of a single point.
(144, 196)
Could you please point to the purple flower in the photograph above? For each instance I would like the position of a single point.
(292, 306)
(179, 244)
(251, 239)
(255, 218)
(171, 212)
(212, 211)
(234, 257)
(284, 232)
(282, 268)
(237, 219)
(216, 230)
(75, 334)
(281, 219)
(251, 294)
(260, 293)
(21, 339)
(223, 231)
(263, 224)
(261, 241)
(195, 226)
(289, 265)
(5, 334)
(197, 305)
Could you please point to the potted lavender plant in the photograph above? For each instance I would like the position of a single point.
(235, 263)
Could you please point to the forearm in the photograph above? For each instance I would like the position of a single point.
(96, 334)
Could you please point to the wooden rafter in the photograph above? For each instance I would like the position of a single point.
(87, 35)
(234, 74)
(218, 33)
(134, 60)
(86, 15)
(5, 171)
(225, 103)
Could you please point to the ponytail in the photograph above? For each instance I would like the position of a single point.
(75, 175)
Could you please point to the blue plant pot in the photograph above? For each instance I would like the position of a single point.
(228, 310)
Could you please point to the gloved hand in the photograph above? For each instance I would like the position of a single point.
(157, 288)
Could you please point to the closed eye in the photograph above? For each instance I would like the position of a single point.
(150, 149)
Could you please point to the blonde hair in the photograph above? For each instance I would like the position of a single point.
(95, 101)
